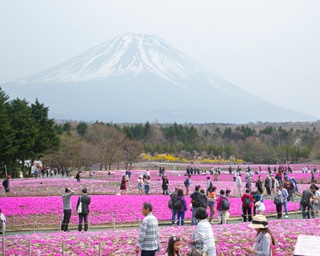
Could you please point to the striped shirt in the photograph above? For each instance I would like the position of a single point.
(149, 234)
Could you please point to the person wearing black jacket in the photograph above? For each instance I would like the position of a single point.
(165, 183)
(85, 200)
(5, 184)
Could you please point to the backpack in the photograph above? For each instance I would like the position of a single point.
(247, 202)
(171, 202)
(225, 205)
(186, 182)
(177, 205)
(197, 200)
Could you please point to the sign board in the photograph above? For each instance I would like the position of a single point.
(307, 246)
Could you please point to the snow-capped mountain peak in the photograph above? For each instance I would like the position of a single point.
(129, 54)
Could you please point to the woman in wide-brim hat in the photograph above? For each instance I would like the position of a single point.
(264, 240)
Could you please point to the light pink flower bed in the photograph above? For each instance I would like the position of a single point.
(230, 239)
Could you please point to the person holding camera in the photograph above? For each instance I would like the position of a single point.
(66, 199)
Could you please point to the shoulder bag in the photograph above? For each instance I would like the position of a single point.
(79, 209)
(196, 252)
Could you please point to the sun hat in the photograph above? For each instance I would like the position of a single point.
(259, 221)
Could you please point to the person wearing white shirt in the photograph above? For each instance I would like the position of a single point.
(2, 223)
(238, 184)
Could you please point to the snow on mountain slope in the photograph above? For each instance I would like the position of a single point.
(127, 54)
(137, 78)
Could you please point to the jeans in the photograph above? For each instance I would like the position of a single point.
(148, 253)
(304, 210)
(174, 213)
(146, 189)
(180, 216)
(247, 210)
(66, 219)
(194, 210)
(165, 192)
(85, 218)
(285, 206)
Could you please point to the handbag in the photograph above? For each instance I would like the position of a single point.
(257, 204)
(79, 209)
(277, 201)
(196, 252)
(316, 201)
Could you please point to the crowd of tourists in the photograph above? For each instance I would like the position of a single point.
(202, 240)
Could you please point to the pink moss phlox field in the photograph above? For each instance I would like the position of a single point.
(123, 208)
(230, 239)
(102, 183)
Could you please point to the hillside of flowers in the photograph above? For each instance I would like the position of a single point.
(230, 239)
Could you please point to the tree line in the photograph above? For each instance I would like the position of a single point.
(190, 141)
(28, 133)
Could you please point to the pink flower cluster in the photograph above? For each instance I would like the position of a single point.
(230, 239)
(122, 209)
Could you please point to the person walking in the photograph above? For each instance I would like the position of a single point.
(285, 196)
(173, 199)
(66, 200)
(223, 206)
(183, 207)
(259, 206)
(264, 240)
(83, 215)
(267, 184)
(146, 182)
(211, 199)
(165, 183)
(216, 175)
(248, 184)
(239, 184)
(140, 185)
(247, 204)
(148, 239)
(315, 202)
(278, 199)
(203, 238)
(274, 184)
(209, 184)
(2, 223)
(259, 185)
(123, 185)
(187, 184)
(5, 184)
(78, 176)
(197, 201)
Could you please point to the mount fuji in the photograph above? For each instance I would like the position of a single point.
(138, 78)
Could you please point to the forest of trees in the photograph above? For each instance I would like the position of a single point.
(27, 133)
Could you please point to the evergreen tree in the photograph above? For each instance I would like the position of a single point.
(25, 128)
(6, 133)
(82, 128)
(47, 138)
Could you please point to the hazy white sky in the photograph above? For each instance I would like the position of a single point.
(268, 47)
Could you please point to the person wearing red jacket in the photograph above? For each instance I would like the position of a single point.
(247, 204)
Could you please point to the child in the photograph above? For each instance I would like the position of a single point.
(173, 247)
